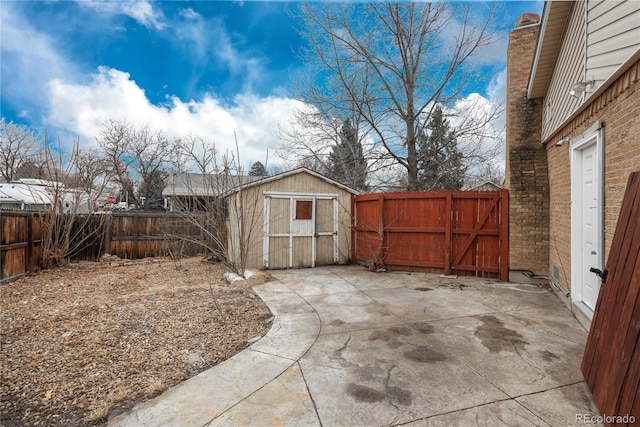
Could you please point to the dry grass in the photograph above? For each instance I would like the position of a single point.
(83, 343)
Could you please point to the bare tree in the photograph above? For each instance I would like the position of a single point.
(18, 146)
(67, 223)
(88, 171)
(114, 141)
(135, 153)
(213, 199)
(390, 65)
(311, 140)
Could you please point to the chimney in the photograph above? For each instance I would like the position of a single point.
(527, 19)
(526, 169)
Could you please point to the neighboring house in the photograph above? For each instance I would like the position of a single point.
(291, 220)
(573, 138)
(193, 191)
(18, 196)
(29, 194)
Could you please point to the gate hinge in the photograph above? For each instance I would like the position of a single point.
(602, 274)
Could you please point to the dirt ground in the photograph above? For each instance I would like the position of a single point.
(83, 343)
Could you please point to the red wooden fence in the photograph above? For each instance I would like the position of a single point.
(457, 232)
(611, 361)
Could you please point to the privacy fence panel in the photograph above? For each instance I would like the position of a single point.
(456, 232)
(611, 360)
(127, 235)
(135, 236)
(20, 244)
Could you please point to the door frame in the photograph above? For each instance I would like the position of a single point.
(592, 136)
(292, 197)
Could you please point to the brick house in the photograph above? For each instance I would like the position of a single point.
(573, 138)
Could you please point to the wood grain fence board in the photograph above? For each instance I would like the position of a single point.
(16, 244)
(459, 232)
(607, 295)
(629, 392)
(504, 231)
(127, 235)
(611, 361)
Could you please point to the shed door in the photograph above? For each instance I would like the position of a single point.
(326, 231)
(300, 230)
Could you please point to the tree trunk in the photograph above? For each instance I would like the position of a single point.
(412, 154)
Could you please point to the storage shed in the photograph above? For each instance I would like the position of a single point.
(291, 220)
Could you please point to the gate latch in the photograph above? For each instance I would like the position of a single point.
(602, 274)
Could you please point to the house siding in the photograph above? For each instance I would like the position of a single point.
(558, 105)
(599, 37)
(613, 35)
(618, 110)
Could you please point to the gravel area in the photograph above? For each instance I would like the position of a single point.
(83, 343)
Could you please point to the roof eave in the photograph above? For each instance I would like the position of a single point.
(547, 46)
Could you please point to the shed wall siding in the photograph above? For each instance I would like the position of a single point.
(297, 183)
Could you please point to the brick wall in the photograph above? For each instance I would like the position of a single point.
(526, 174)
(618, 110)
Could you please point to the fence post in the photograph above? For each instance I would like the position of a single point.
(354, 222)
(106, 243)
(447, 233)
(30, 244)
(134, 246)
(381, 226)
(504, 235)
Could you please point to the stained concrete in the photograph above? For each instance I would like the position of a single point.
(349, 347)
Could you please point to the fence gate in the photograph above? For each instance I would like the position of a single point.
(299, 230)
(458, 232)
(611, 361)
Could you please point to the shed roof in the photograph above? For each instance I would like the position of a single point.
(282, 175)
(213, 185)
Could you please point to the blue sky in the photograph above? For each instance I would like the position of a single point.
(205, 67)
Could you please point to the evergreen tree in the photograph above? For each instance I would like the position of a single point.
(258, 169)
(151, 189)
(347, 164)
(440, 163)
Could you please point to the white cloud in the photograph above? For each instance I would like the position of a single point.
(484, 120)
(25, 53)
(497, 89)
(189, 13)
(140, 10)
(111, 94)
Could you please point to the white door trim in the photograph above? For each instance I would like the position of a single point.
(293, 231)
(588, 139)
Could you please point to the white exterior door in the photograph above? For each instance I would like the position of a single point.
(586, 222)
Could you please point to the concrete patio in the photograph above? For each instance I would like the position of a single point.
(349, 347)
